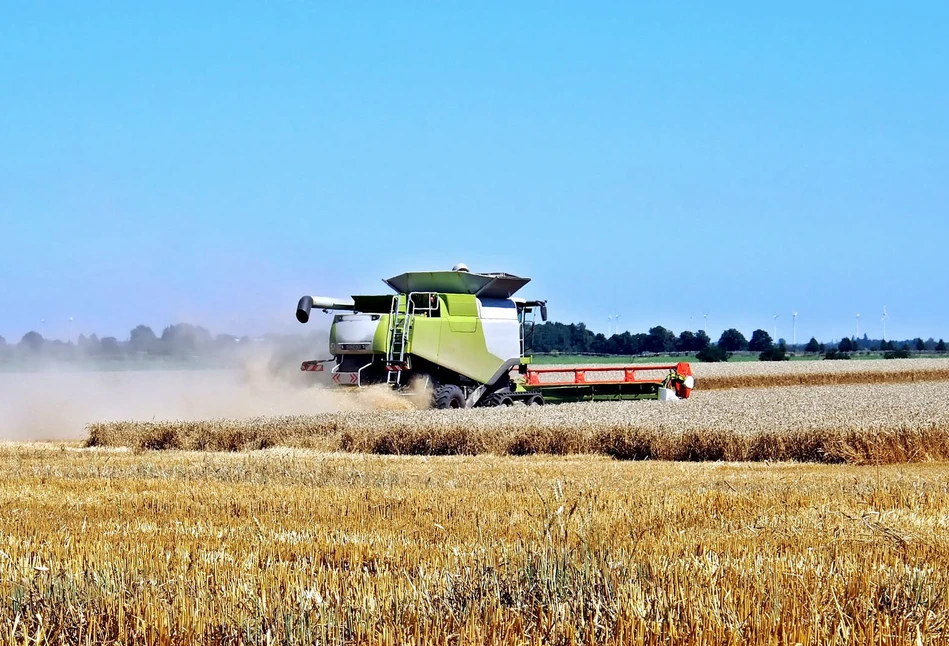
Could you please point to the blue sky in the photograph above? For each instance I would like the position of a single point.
(212, 162)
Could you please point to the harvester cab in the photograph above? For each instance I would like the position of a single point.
(464, 335)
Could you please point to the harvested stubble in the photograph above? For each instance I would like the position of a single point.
(854, 424)
(767, 374)
(295, 547)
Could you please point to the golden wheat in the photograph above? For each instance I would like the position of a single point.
(858, 424)
(752, 368)
(295, 547)
(767, 374)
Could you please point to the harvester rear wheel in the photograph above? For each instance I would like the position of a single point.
(449, 397)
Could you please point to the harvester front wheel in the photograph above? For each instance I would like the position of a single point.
(449, 397)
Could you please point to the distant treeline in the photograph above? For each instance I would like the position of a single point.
(575, 338)
(184, 341)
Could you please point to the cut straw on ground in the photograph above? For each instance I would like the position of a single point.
(286, 546)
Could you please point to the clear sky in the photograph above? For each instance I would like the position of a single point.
(211, 162)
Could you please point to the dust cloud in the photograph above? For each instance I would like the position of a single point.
(57, 402)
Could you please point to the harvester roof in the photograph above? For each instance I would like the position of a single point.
(497, 285)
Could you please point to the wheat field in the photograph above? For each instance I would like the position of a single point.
(752, 374)
(857, 424)
(298, 547)
(783, 515)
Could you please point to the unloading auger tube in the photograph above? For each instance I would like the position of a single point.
(468, 337)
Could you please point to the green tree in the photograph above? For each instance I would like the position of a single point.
(88, 346)
(581, 339)
(110, 346)
(623, 343)
(601, 345)
(941, 346)
(548, 337)
(732, 341)
(686, 342)
(760, 341)
(143, 340)
(701, 340)
(775, 353)
(845, 345)
(812, 346)
(712, 354)
(920, 345)
(902, 353)
(185, 340)
(32, 341)
(660, 340)
(627, 343)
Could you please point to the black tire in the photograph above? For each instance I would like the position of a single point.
(490, 401)
(535, 400)
(501, 399)
(449, 397)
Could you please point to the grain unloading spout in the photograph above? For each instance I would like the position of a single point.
(324, 303)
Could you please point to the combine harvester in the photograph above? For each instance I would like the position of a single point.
(468, 338)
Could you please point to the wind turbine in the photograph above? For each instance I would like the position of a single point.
(858, 326)
(885, 316)
(615, 329)
(776, 327)
(609, 326)
(794, 337)
(706, 322)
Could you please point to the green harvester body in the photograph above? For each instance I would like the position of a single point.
(464, 335)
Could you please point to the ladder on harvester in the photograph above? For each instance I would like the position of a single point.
(400, 326)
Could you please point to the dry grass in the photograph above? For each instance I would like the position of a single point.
(293, 547)
(855, 424)
(719, 376)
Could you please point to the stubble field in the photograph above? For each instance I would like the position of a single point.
(288, 546)
(745, 539)
(896, 414)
